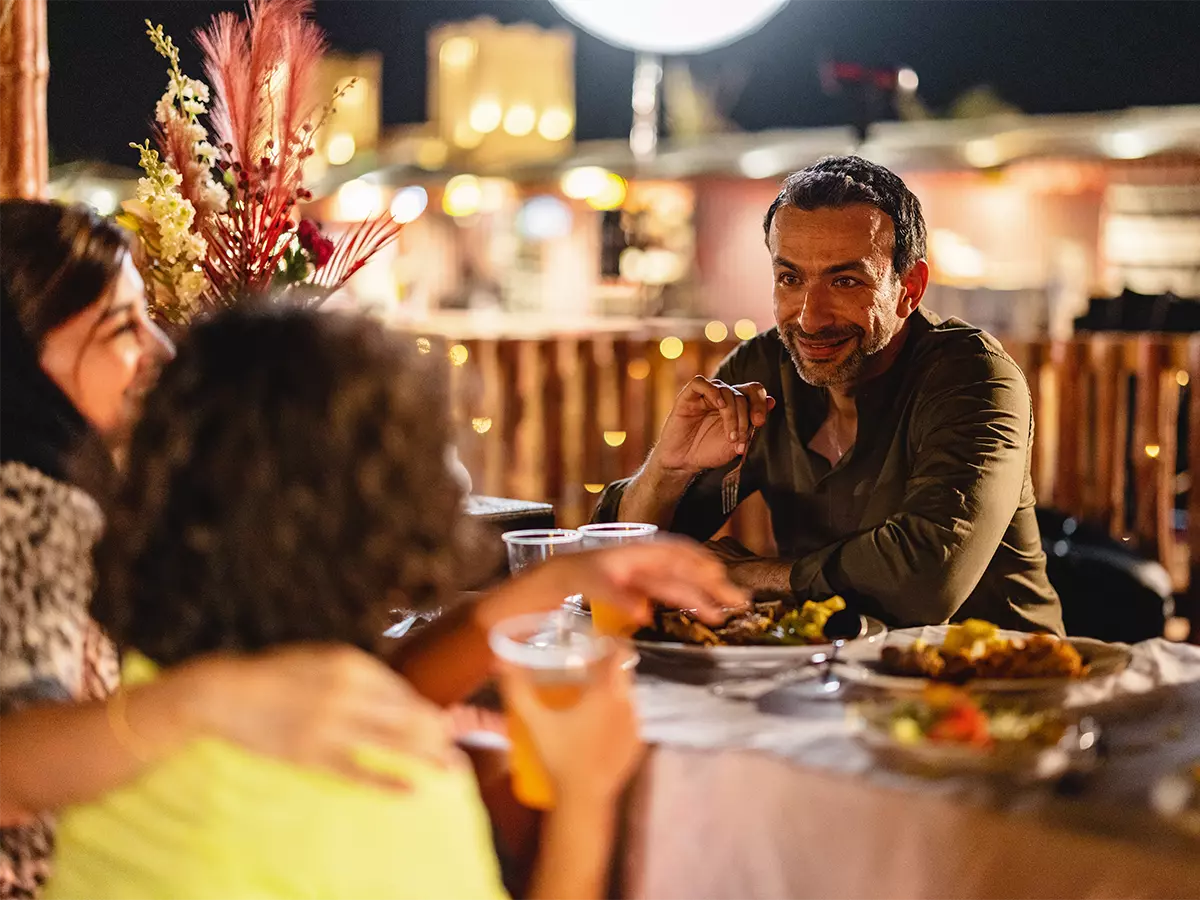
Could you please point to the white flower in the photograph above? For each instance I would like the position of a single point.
(194, 88)
(214, 195)
(163, 111)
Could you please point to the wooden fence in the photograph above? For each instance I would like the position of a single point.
(556, 418)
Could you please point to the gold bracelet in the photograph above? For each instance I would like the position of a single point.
(118, 720)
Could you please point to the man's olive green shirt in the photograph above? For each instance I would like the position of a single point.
(930, 516)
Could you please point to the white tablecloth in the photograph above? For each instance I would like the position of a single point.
(775, 798)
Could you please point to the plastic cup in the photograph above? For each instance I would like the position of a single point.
(606, 617)
(560, 656)
(532, 546)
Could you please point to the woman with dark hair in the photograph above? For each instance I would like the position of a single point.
(288, 483)
(79, 350)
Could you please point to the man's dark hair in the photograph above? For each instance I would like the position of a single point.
(838, 181)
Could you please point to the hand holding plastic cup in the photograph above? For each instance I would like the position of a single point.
(559, 654)
(608, 618)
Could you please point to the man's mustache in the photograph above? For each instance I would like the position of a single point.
(825, 335)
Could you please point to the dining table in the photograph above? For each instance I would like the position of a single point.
(768, 794)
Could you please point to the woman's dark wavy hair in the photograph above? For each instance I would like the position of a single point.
(55, 261)
(287, 482)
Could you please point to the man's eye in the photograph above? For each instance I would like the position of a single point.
(125, 328)
(846, 282)
(787, 278)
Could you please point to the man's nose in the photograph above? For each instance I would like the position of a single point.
(815, 313)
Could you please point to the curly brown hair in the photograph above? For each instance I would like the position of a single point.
(287, 482)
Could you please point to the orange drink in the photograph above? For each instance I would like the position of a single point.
(559, 655)
(614, 621)
(607, 618)
(531, 784)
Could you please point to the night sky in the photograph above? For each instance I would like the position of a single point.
(1041, 56)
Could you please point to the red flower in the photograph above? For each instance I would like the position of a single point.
(316, 245)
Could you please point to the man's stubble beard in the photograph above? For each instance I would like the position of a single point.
(845, 371)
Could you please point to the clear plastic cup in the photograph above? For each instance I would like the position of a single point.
(606, 617)
(532, 546)
(559, 651)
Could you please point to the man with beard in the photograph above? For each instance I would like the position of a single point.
(892, 449)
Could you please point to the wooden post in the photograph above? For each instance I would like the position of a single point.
(24, 72)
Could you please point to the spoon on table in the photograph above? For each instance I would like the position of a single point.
(840, 627)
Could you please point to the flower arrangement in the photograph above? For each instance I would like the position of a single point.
(218, 222)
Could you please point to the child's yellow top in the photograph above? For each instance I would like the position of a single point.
(217, 821)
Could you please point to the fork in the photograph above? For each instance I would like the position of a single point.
(732, 482)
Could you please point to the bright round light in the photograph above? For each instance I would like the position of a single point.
(584, 182)
(744, 329)
(907, 80)
(662, 26)
(458, 355)
(544, 218)
(761, 163)
(671, 347)
(102, 200)
(1126, 145)
(520, 119)
(463, 196)
(983, 153)
(409, 203)
(716, 332)
(341, 149)
(555, 124)
(457, 52)
(485, 116)
(358, 199)
(611, 195)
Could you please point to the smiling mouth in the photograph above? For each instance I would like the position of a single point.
(822, 349)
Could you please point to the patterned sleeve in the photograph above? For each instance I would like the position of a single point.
(49, 648)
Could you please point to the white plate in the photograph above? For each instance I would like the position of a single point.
(1103, 659)
(757, 657)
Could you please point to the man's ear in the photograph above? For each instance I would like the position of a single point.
(914, 281)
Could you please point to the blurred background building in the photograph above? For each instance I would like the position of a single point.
(1035, 221)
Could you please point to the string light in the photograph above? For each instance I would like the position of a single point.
(716, 332)
(341, 148)
(409, 203)
(1181, 378)
(423, 345)
(481, 424)
(611, 195)
(638, 369)
(485, 116)
(458, 355)
(1152, 450)
(555, 124)
(592, 488)
(671, 347)
(745, 329)
(614, 438)
(520, 119)
(463, 196)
